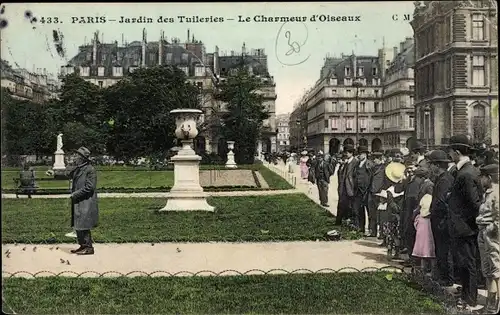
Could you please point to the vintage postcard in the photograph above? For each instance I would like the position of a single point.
(260, 157)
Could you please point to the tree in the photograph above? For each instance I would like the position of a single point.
(139, 107)
(23, 125)
(80, 114)
(245, 113)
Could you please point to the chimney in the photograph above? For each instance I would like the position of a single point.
(144, 35)
(402, 46)
(216, 61)
(160, 48)
(94, 50)
(188, 37)
(44, 71)
(354, 66)
(395, 52)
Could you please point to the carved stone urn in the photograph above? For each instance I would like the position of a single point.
(230, 155)
(187, 193)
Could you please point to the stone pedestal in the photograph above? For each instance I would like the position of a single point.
(187, 193)
(59, 164)
(230, 156)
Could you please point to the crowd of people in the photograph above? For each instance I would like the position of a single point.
(436, 210)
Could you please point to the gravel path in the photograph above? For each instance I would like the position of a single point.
(193, 257)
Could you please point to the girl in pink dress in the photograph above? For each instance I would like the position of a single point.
(424, 240)
(304, 170)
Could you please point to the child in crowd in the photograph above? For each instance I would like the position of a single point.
(488, 238)
(424, 240)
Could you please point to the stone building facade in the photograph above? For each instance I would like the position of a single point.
(283, 136)
(339, 113)
(104, 64)
(36, 86)
(398, 98)
(456, 70)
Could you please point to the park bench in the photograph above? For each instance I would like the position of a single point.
(28, 186)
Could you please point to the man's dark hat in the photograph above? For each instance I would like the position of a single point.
(459, 141)
(490, 169)
(363, 149)
(84, 152)
(349, 148)
(422, 172)
(418, 147)
(438, 156)
(377, 154)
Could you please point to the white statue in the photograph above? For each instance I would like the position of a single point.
(59, 142)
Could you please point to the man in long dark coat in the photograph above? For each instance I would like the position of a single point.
(378, 183)
(346, 186)
(323, 170)
(362, 180)
(439, 214)
(464, 200)
(84, 208)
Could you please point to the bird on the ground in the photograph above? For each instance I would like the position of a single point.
(67, 262)
(51, 248)
(7, 251)
(178, 250)
(24, 248)
(57, 247)
(62, 260)
(8, 255)
(152, 244)
(34, 249)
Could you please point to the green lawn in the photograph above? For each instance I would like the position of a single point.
(250, 218)
(343, 293)
(127, 177)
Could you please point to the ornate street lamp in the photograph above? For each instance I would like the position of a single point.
(427, 113)
(357, 84)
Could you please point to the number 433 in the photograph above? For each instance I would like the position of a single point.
(50, 20)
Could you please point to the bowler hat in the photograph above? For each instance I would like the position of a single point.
(377, 154)
(460, 140)
(349, 148)
(418, 147)
(438, 156)
(84, 152)
(490, 169)
(363, 149)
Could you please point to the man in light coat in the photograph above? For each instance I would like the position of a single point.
(84, 208)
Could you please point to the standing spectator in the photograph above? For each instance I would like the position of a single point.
(488, 241)
(346, 186)
(304, 169)
(376, 186)
(322, 173)
(363, 177)
(84, 208)
(439, 214)
(27, 182)
(464, 201)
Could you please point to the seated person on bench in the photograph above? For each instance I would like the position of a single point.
(27, 183)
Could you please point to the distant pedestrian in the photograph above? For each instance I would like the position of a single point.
(304, 169)
(84, 207)
(322, 173)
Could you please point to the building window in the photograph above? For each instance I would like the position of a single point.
(478, 72)
(334, 92)
(361, 92)
(349, 123)
(361, 71)
(477, 27)
(376, 93)
(347, 82)
(334, 107)
(348, 106)
(362, 107)
(100, 71)
(374, 71)
(479, 122)
(348, 93)
(412, 101)
(347, 71)
(100, 83)
(376, 107)
(199, 85)
(326, 123)
(362, 123)
(84, 71)
(411, 122)
(117, 71)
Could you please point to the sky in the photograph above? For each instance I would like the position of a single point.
(296, 50)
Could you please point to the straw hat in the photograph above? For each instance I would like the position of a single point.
(395, 172)
(303, 152)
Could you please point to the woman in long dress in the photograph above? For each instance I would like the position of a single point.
(424, 240)
(304, 170)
